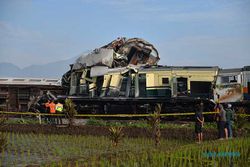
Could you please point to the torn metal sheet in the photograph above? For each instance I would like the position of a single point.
(123, 70)
(134, 51)
(120, 53)
(123, 55)
(100, 56)
(98, 71)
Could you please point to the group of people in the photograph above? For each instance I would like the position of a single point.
(54, 107)
(224, 118)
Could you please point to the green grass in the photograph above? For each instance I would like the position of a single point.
(144, 124)
(62, 150)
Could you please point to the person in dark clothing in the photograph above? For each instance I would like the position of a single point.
(229, 120)
(222, 123)
(199, 122)
(217, 117)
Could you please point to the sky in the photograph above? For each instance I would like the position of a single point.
(185, 32)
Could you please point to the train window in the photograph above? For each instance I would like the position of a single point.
(182, 86)
(165, 81)
(232, 79)
(225, 79)
(229, 79)
(123, 86)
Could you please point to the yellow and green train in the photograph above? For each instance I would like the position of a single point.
(135, 89)
(165, 82)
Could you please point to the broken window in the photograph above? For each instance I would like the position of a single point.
(233, 79)
(165, 81)
(224, 79)
(132, 88)
(182, 86)
(123, 86)
(229, 79)
(73, 84)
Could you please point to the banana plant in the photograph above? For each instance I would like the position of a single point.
(154, 122)
(70, 111)
(115, 135)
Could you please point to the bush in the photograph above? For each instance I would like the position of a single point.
(70, 111)
(3, 140)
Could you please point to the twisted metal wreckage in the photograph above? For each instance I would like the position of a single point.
(123, 55)
(123, 76)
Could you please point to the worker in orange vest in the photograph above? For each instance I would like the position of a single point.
(52, 110)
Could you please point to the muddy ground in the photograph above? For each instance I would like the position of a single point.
(167, 133)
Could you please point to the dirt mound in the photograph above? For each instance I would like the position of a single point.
(167, 133)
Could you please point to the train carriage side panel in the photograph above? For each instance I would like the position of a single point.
(195, 81)
(180, 81)
(228, 86)
(158, 83)
(246, 83)
(201, 83)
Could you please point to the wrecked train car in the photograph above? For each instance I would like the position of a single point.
(233, 85)
(119, 53)
(139, 88)
(160, 81)
(126, 71)
(124, 76)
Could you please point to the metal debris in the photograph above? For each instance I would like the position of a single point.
(124, 55)
(120, 53)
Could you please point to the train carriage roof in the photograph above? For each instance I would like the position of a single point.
(169, 68)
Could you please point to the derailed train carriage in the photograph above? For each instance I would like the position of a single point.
(137, 89)
(123, 77)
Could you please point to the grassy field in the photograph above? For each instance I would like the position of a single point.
(68, 150)
(141, 123)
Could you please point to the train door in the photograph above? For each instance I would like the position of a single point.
(201, 89)
(174, 86)
(142, 85)
(182, 86)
